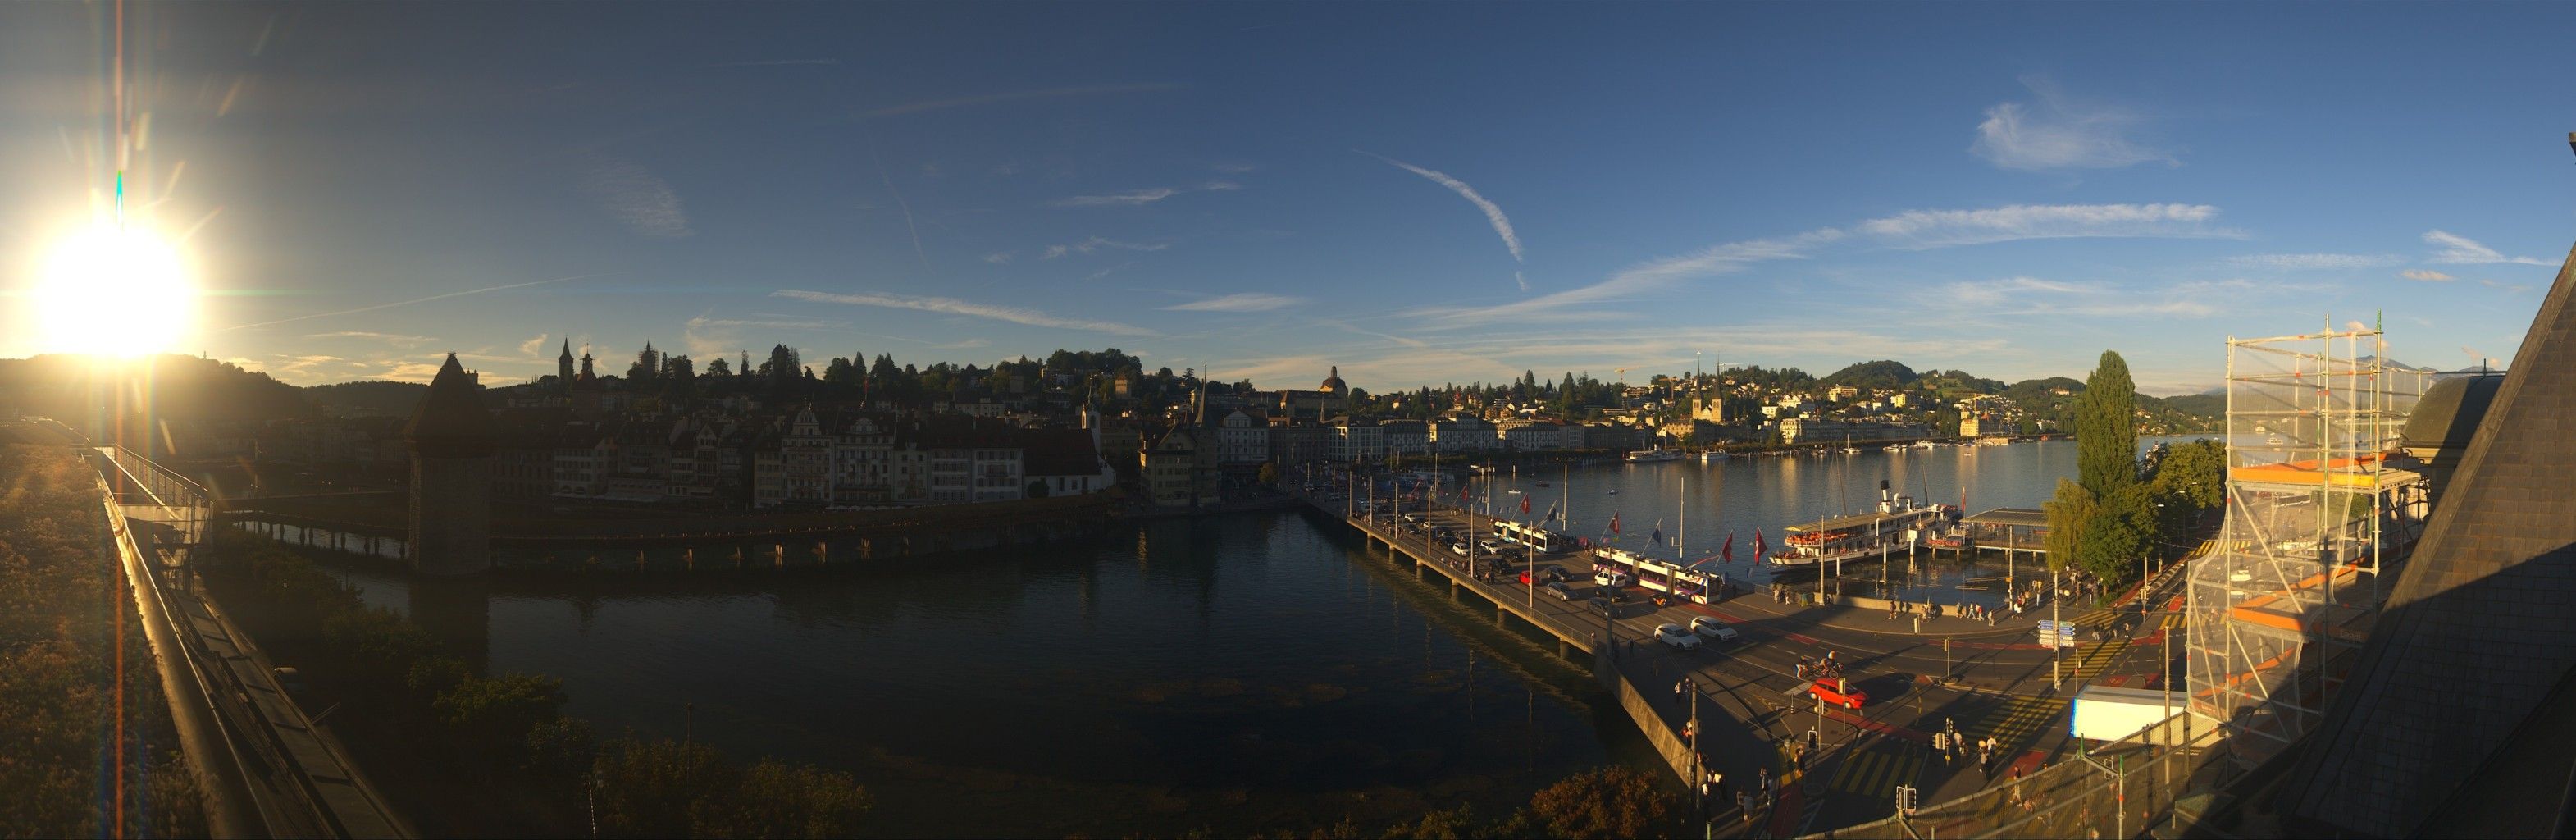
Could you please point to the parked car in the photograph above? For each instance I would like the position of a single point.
(1560, 590)
(1680, 639)
(1713, 628)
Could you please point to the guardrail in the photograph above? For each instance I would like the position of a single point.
(270, 774)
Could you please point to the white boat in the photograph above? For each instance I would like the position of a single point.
(1894, 525)
(1706, 456)
(1925, 444)
(1655, 455)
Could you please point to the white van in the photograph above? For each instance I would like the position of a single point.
(1610, 578)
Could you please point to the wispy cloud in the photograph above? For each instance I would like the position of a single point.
(1637, 281)
(1096, 243)
(783, 62)
(2302, 262)
(534, 347)
(1015, 96)
(412, 301)
(404, 341)
(2426, 275)
(968, 344)
(2509, 288)
(1493, 213)
(1109, 271)
(2461, 250)
(705, 336)
(2058, 132)
(951, 306)
(1143, 197)
(636, 197)
(1000, 257)
(1240, 302)
(1916, 229)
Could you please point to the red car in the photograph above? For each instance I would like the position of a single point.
(1835, 691)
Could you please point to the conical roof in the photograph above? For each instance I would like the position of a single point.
(450, 420)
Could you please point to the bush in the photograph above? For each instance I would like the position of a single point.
(493, 716)
(1613, 801)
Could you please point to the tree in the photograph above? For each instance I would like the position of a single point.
(1037, 488)
(2070, 512)
(841, 372)
(1269, 473)
(1613, 801)
(495, 715)
(2106, 429)
(719, 367)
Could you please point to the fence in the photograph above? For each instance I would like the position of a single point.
(2123, 788)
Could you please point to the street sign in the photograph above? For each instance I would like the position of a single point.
(2047, 628)
(2066, 635)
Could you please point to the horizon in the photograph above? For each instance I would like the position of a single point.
(1263, 194)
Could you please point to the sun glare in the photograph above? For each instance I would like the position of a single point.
(113, 293)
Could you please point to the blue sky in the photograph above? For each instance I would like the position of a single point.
(1416, 193)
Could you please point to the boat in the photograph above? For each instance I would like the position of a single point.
(1925, 444)
(1655, 455)
(1711, 455)
(1894, 447)
(1953, 537)
(1851, 450)
(1542, 484)
(1994, 441)
(1896, 523)
(1614, 492)
(1512, 492)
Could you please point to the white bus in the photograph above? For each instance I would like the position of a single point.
(1534, 536)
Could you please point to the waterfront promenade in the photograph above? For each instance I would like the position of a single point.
(1841, 767)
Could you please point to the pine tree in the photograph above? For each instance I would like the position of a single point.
(2106, 430)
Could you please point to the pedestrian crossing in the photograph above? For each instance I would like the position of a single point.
(2092, 658)
(1876, 770)
(2098, 619)
(2015, 719)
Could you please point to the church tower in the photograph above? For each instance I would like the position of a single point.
(451, 441)
(563, 367)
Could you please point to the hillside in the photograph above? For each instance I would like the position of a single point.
(168, 387)
(367, 399)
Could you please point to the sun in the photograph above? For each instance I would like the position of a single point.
(113, 292)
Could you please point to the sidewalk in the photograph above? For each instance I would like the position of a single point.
(1970, 634)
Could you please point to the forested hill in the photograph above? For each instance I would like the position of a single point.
(367, 399)
(167, 386)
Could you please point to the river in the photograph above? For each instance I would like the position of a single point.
(1241, 673)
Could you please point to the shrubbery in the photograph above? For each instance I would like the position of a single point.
(61, 598)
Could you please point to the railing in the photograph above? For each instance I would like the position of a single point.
(2123, 788)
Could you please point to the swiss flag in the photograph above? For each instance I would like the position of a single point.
(1726, 553)
(1524, 505)
(1759, 546)
(1614, 523)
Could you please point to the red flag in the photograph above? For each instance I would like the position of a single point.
(1524, 505)
(1727, 552)
(1614, 523)
(1759, 547)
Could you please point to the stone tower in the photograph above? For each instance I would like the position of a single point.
(451, 441)
(563, 368)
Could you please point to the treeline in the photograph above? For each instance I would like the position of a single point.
(471, 754)
(172, 387)
(62, 601)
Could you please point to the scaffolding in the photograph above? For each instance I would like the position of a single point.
(2321, 510)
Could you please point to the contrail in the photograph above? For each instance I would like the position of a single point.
(908, 224)
(1493, 214)
(410, 302)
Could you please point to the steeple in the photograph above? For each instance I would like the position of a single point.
(563, 365)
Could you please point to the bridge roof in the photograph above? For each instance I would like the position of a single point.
(2017, 517)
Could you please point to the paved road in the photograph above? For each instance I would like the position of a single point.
(1751, 702)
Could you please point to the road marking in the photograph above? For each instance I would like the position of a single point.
(2091, 659)
(2014, 719)
(1876, 770)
